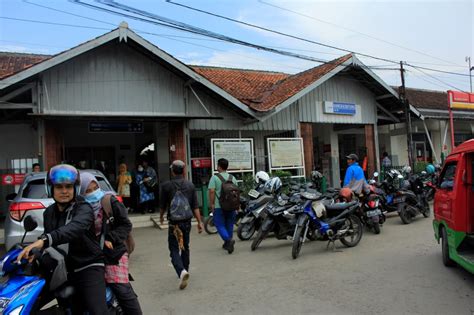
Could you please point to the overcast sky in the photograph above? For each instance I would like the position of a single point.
(434, 34)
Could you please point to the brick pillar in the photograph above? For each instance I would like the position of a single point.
(307, 135)
(177, 141)
(370, 144)
(53, 144)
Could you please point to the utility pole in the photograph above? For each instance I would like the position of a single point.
(407, 117)
(468, 59)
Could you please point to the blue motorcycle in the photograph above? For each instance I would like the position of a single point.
(22, 288)
(326, 220)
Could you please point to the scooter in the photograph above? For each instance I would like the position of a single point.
(22, 287)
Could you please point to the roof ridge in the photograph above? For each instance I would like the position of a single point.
(24, 53)
(237, 69)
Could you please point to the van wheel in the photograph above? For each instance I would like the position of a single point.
(448, 262)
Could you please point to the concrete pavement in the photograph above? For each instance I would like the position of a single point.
(397, 272)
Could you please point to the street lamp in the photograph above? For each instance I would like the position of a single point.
(468, 59)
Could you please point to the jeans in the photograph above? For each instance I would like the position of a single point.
(180, 260)
(127, 298)
(90, 291)
(224, 222)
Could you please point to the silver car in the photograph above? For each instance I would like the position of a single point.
(32, 200)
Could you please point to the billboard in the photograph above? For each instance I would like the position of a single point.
(461, 100)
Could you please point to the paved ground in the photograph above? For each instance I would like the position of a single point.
(397, 272)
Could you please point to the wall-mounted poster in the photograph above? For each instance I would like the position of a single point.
(239, 153)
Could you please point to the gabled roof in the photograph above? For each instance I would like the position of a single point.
(427, 99)
(121, 33)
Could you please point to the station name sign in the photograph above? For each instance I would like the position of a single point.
(115, 127)
(339, 108)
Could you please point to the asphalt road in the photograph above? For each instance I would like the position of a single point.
(397, 272)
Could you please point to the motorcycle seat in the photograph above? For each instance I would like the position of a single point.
(339, 207)
(65, 293)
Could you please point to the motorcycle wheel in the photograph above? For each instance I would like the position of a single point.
(298, 241)
(404, 215)
(448, 262)
(209, 226)
(355, 224)
(430, 194)
(260, 236)
(246, 231)
(376, 228)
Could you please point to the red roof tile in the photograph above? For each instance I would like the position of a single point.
(245, 85)
(11, 63)
(262, 91)
(427, 99)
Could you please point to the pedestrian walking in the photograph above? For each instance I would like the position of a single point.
(124, 179)
(225, 206)
(112, 228)
(178, 199)
(146, 197)
(386, 162)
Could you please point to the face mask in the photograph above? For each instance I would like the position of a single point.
(140, 168)
(94, 196)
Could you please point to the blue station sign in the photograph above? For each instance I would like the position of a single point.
(340, 108)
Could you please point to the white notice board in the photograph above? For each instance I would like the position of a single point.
(285, 154)
(238, 151)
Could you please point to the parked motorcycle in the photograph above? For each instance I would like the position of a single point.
(22, 285)
(411, 200)
(336, 221)
(254, 214)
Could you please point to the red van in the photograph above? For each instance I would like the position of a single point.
(454, 208)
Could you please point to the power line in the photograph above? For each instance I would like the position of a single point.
(304, 39)
(439, 80)
(278, 32)
(354, 31)
(54, 23)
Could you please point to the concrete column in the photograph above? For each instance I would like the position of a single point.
(162, 151)
(370, 145)
(53, 145)
(177, 142)
(335, 168)
(306, 131)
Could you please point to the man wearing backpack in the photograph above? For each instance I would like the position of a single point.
(225, 206)
(179, 199)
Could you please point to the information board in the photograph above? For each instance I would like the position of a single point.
(239, 153)
(286, 154)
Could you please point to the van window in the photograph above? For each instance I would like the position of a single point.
(447, 177)
(35, 190)
(103, 184)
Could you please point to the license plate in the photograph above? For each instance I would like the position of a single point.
(373, 213)
(398, 199)
(253, 193)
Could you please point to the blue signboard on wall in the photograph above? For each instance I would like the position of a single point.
(340, 108)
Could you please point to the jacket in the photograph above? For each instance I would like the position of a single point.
(117, 228)
(84, 248)
(353, 172)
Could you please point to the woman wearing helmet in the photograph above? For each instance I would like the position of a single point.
(70, 220)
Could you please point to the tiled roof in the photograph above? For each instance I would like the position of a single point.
(11, 63)
(427, 99)
(262, 91)
(245, 85)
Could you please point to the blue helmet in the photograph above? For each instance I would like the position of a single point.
(63, 174)
(430, 169)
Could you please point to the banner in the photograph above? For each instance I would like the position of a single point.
(13, 179)
(286, 152)
(461, 100)
(239, 153)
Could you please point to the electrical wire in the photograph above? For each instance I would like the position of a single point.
(352, 30)
(437, 79)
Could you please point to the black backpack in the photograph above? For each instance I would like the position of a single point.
(179, 209)
(230, 194)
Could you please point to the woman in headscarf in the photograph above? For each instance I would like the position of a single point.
(124, 180)
(112, 229)
(147, 196)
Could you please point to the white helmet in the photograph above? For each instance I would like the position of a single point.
(273, 185)
(261, 177)
(406, 169)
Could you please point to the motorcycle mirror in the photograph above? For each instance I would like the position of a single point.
(400, 176)
(376, 174)
(30, 224)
